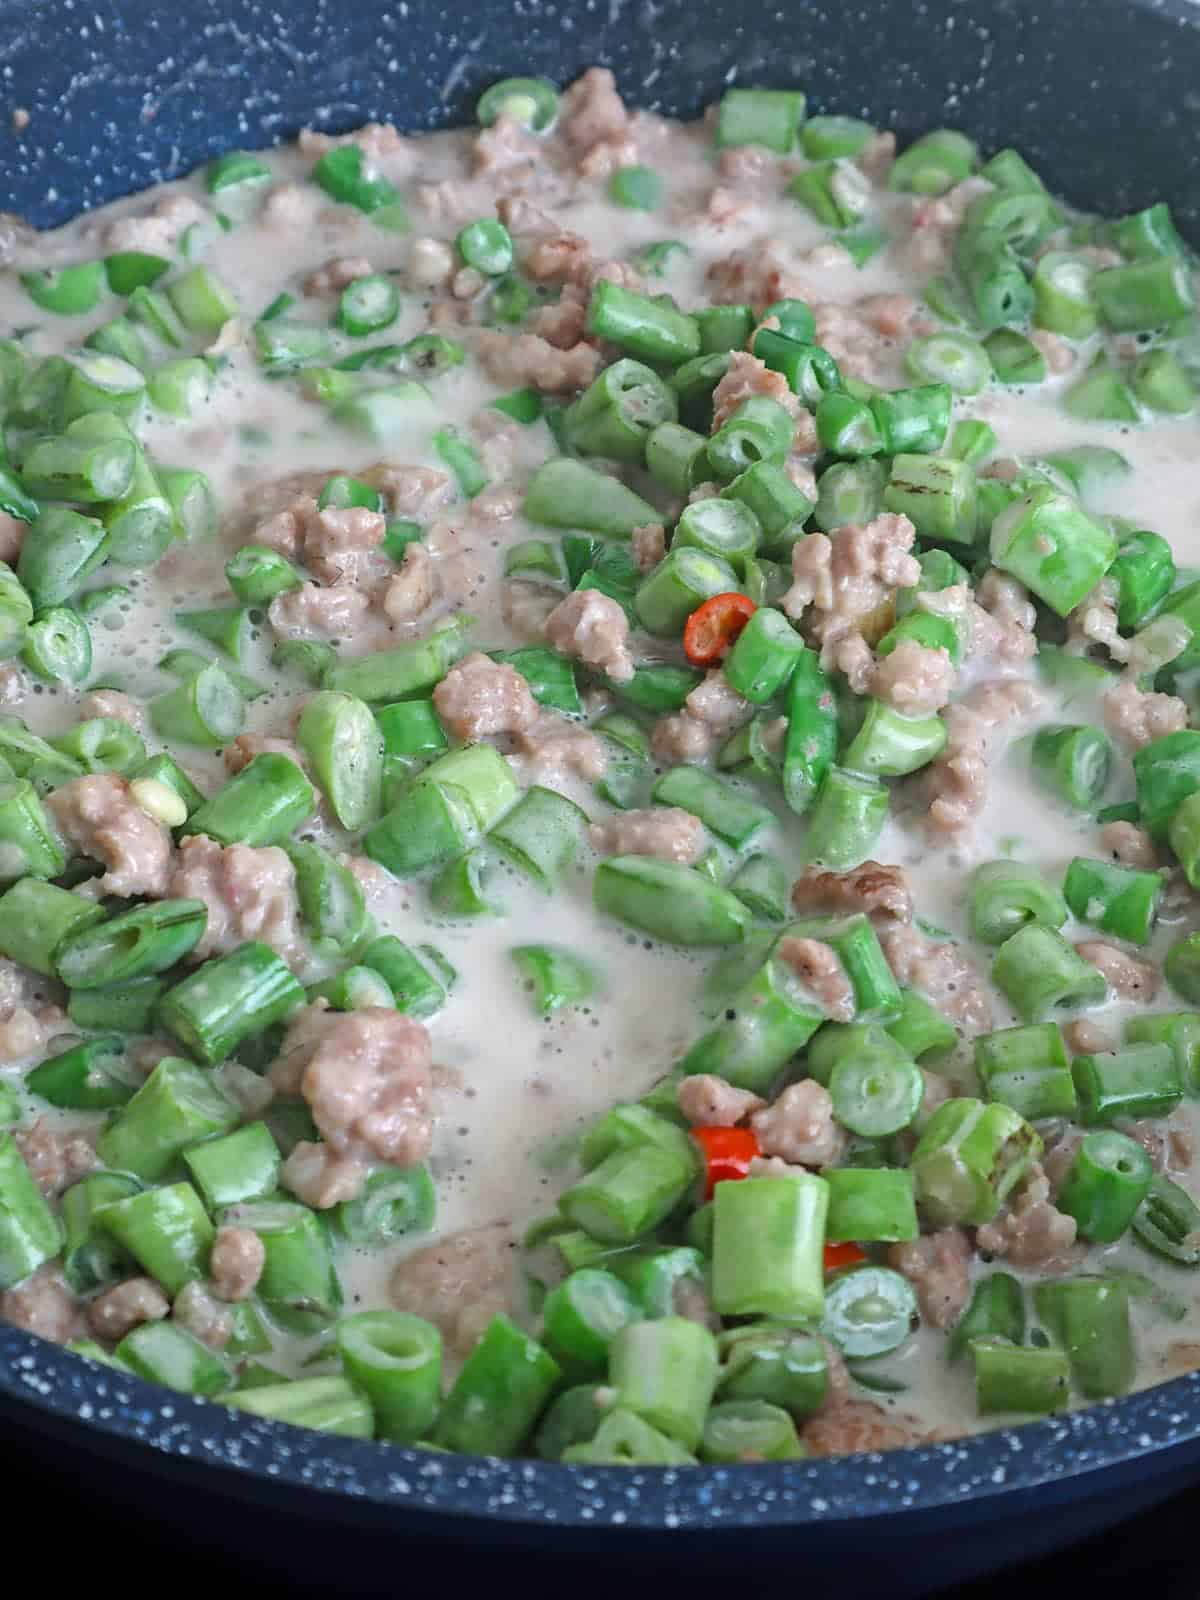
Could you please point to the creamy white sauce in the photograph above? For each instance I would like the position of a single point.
(502, 1148)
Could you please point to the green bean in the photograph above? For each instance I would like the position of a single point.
(144, 940)
(768, 117)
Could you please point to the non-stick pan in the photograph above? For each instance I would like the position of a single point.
(1103, 96)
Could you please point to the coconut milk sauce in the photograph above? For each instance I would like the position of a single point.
(527, 1086)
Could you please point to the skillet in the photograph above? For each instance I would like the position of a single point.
(1100, 95)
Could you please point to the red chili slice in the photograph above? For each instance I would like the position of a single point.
(712, 628)
(728, 1153)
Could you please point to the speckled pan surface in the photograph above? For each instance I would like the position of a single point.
(1110, 1436)
(125, 93)
(121, 94)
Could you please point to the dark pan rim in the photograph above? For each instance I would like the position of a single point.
(45, 1379)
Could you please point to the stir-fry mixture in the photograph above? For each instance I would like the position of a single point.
(599, 819)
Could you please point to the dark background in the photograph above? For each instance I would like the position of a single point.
(1155, 1556)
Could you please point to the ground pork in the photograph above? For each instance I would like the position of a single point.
(799, 1127)
(283, 530)
(854, 341)
(709, 1102)
(857, 1426)
(43, 1304)
(12, 537)
(703, 491)
(112, 703)
(562, 323)
(295, 493)
(466, 283)
(890, 314)
(415, 493)
(144, 1055)
(689, 1299)
(383, 144)
(506, 145)
(595, 124)
(250, 894)
(479, 697)
(1167, 1141)
(876, 156)
(1030, 1231)
(1085, 1037)
(667, 832)
(376, 882)
(313, 612)
(1062, 1143)
(1127, 976)
(461, 565)
(500, 437)
(939, 1268)
(521, 217)
(198, 1310)
(14, 684)
(819, 970)
(711, 713)
(1130, 845)
(593, 628)
(936, 1090)
(126, 1306)
(525, 607)
(914, 679)
(250, 1092)
(746, 163)
(757, 275)
(500, 503)
(18, 985)
(844, 582)
(940, 971)
(1060, 357)
(459, 1283)
(956, 783)
(935, 221)
(1137, 717)
(157, 231)
(55, 1157)
(726, 203)
(321, 1178)
(290, 205)
(648, 545)
(409, 593)
(98, 816)
(1094, 621)
(558, 256)
(852, 656)
(26, 1032)
(1002, 619)
(366, 1078)
(881, 891)
(514, 360)
(555, 749)
(447, 200)
(430, 263)
(1179, 1358)
(236, 1262)
(336, 274)
(246, 746)
(746, 375)
(342, 545)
